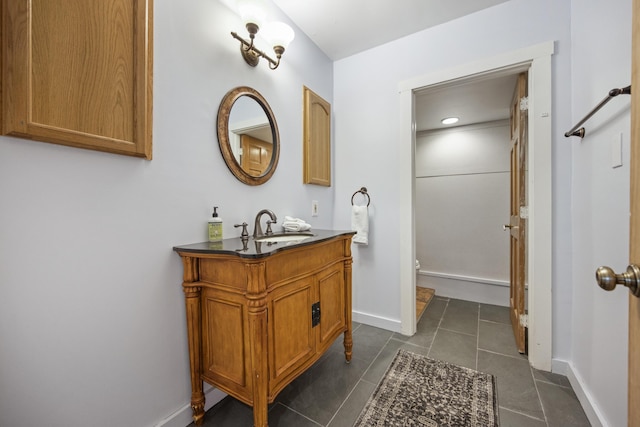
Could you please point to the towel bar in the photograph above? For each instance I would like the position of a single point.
(580, 131)
(362, 190)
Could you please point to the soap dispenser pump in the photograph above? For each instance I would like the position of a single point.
(215, 226)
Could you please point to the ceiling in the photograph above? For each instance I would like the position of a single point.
(474, 101)
(341, 28)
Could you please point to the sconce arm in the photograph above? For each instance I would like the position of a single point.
(250, 49)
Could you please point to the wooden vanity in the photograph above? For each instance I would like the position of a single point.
(259, 314)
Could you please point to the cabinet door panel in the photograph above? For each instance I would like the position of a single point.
(292, 340)
(331, 288)
(225, 340)
(78, 72)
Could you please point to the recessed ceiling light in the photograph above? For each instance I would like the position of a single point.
(450, 120)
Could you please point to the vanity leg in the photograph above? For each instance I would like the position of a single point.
(192, 297)
(260, 376)
(348, 338)
(194, 336)
(257, 311)
(348, 344)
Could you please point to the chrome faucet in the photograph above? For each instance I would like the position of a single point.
(257, 228)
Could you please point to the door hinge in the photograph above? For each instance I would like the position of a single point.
(524, 212)
(315, 314)
(524, 320)
(524, 103)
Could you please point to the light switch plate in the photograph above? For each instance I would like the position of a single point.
(314, 208)
(616, 150)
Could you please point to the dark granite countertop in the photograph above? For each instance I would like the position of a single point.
(250, 248)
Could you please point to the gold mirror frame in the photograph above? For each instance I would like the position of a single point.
(223, 135)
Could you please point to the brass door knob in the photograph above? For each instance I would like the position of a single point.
(607, 279)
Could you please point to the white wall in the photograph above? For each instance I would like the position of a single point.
(92, 318)
(590, 199)
(367, 114)
(601, 60)
(462, 201)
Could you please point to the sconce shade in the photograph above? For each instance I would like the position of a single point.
(278, 34)
(252, 12)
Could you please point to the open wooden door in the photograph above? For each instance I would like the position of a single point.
(256, 155)
(517, 211)
(634, 237)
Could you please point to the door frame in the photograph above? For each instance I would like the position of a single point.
(537, 60)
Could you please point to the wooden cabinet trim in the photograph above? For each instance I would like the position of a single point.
(25, 51)
(316, 139)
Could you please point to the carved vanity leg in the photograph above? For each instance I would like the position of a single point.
(348, 338)
(257, 302)
(192, 300)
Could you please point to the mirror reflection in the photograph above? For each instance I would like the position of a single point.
(248, 135)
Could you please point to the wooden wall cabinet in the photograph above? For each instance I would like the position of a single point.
(317, 139)
(255, 324)
(79, 73)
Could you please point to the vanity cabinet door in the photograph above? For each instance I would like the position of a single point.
(292, 340)
(226, 358)
(332, 296)
(78, 73)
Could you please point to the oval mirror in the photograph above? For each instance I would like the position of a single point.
(248, 135)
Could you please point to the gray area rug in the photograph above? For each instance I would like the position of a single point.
(418, 391)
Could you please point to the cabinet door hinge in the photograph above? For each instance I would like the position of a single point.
(524, 320)
(524, 104)
(315, 314)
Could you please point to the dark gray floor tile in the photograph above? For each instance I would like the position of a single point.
(461, 316)
(454, 347)
(552, 378)
(368, 341)
(318, 393)
(281, 416)
(379, 366)
(561, 406)
(516, 389)
(497, 337)
(354, 404)
(424, 335)
(434, 310)
(513, 419)
(338, 345)
(229, 412)
(495, 313)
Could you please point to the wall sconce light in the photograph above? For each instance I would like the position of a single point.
(278, 34)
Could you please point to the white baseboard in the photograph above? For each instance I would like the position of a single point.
(483, 291)
(377, 321)
(584, 397)
(183, 416)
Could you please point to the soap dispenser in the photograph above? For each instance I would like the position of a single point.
(215, 226)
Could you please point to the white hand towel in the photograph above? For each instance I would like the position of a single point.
(295, 224)
(360, 224)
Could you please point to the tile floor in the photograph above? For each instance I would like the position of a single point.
(332, 393)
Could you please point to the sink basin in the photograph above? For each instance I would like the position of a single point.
(289, 238)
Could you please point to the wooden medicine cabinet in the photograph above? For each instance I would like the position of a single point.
(78, 73)
(317, 139)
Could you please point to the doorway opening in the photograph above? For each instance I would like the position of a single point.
(537, 61)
